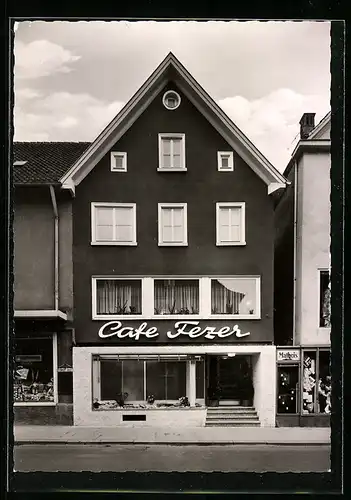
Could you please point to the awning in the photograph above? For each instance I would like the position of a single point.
(40, 314)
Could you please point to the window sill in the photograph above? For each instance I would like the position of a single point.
(176, 317)
(234, 317)
(32, 403)
(160, 169)
(113, 243)
(117, 317)
(173, 244)
(231, 244)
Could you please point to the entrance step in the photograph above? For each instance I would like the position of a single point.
(232, 416)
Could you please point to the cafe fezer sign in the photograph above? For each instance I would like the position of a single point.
(182, 329)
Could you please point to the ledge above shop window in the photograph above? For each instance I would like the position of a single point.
(118, 162)
(176, 298)
(225, 161)
(113, 224)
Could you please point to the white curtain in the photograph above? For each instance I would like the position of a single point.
(176, 297)
(118, 297)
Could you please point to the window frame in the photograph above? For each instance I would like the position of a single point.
(165, 96)
(53, 337)
(257, 278)
(220, 155)
(169, 135)
(162, 206)
(111, 317)
(113, 156)
(95, 205)
(148, 302)
(226, 204)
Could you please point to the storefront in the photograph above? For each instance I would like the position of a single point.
(164, 373)
(42, 372)
(303, 386)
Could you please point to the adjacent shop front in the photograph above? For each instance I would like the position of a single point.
(303, 386)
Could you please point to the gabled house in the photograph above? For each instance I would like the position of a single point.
(302, 282)
(173, 244)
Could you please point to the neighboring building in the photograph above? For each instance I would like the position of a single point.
(302, 284)
(173, 243)
(43, 283)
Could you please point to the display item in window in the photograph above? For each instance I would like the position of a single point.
(326, 307)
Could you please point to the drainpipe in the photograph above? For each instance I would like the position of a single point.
(56, 247)
(295, 252)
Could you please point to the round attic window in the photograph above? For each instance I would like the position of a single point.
(171, 99)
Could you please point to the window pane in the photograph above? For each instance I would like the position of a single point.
(175, 379)
(233, 296)
(133, 379)
(166, 161)
(124, 233)
(119, 162)
(309, 382)
(166, 146)
(177, 145)
(104, 216)
(177, 161)
(104, 233)
(235, 216)
(225, 161)
(234, 233)
(224, 216)
(176, 296)
(178, 216)
(167, 234)
(118, 296)
(200, 379)
(33, 373)
(324, 383)
(110, 379)
(156, 379)
(123, 216)
(288, 378)
(325, 295)
(178, 234)
(166, 216)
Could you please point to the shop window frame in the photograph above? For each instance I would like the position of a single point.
(96, 316)
(52, 337)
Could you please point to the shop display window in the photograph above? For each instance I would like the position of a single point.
(118, 297)
(309, 382)
(324, 299)
(324, 383)
(234, 296)
(288, 383)
(316, 382)
(130, 382)
(33, 370)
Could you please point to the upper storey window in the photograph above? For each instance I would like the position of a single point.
(171, 100)
(230, 223)
(118, 162)
(171, 148)
(113, 223)
(225, 161)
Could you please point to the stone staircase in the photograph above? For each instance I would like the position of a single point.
(232, 416)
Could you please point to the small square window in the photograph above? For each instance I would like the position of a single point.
(225, 161)
(172, 224)
(118, 162)
(230, 224)
(113, 224)
(171, 152)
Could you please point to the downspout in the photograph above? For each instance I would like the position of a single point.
(56, 247)
(295, 252)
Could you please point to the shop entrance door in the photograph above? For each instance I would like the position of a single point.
(229, 379)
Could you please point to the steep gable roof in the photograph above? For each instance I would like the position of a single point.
(45, 162)
(171, 69)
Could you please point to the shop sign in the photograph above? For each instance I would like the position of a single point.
(190, 329)
(65, 368)
(28, 358)
(288, 355)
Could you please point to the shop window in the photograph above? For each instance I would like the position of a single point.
(235, 296)
(144, 381)
(288, 379)
(118, 297)
(176, 296)
(324, 299)
(34, 371)
(324, 383)
(309, 382)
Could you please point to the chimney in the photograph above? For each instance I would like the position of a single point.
(306, 124)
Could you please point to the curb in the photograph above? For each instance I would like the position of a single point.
(174, 443)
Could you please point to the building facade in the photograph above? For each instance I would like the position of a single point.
(43, 284)
(173, 245)
(302, 281)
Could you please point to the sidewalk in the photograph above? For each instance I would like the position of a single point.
(25, 434)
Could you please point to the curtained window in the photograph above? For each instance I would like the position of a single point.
(233, 296)
(176, 296)
(118, 297)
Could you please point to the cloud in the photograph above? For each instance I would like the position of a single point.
(272, 122)
(41, 58)
(62, 116)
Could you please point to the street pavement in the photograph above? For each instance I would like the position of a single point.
(167, 458)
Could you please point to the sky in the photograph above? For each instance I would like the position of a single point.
(72, 78)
